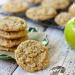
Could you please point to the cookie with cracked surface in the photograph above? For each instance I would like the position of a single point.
(41, 13)
(12, 23)
(32, 56)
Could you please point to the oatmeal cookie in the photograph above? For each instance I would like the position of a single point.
(57, 4)
(11, 43)
(72, 10)
(15, 6)
(11, 23)
(62, 18)
(32, 56)
(13, 35)
(41, 13)
(12, 49)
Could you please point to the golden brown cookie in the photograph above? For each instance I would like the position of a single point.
(34, 1)
(32, 56)
(13, 35)
(11, 43)
(57, 4)
(72, 10)
(15, 6)
(11, 23)
(41, 13)
(12, 49)
(62, 18)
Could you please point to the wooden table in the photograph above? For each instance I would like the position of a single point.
(66, 57)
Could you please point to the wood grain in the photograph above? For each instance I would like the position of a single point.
(7, 67)
(20, 71)
(69, 63)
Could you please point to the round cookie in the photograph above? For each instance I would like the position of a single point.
(62, 18)
(34, 1)
(32, 56)
(11, 43)
(12, 23)
(41, 13)
(72, 10)
(15, 6)
(13, 35)
(12, 49)
(57, 4)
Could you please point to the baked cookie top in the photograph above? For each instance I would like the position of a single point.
(57, 4)
(15, 6)
(41, 13)
(62, 18)
(32, 56)
(11, 23)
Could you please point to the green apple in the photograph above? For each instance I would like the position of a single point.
(69, 33)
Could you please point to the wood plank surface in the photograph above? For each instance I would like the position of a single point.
(7, 67)
(69, 63)
(56, 39)
(20, 71)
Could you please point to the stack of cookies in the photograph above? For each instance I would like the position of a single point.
(12, 32)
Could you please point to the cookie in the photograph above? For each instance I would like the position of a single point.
(15, 6)
(41, 13)
(11, 43)
(34, 1)
(32, 56)
(72, 10)
(62, 18)
(12, 23)
(13, 35)
(57, 4)
(12, 49)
